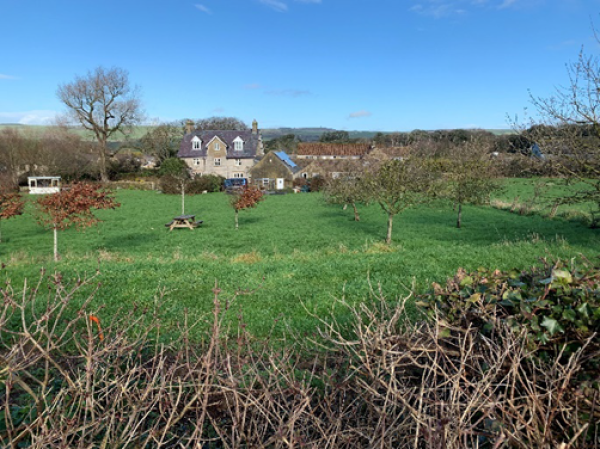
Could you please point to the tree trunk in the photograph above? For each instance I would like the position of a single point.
(388, 238)
(103, 174)
(182, 198)
(458, 220)
(236, 219)
(356, 216)
(56, 256)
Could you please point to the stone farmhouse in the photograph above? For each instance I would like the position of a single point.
(228, 153)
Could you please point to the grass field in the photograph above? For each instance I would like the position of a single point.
(291, 252)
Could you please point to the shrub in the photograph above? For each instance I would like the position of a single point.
(559, 306)
(170, 184)
(209, 183)
(317, 183)
(172, 166)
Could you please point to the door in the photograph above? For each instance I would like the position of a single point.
(280, 183)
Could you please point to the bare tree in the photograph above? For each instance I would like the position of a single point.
(104, 103)
(17, 153)
(569, 128)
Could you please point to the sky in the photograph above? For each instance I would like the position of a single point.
(379, 65)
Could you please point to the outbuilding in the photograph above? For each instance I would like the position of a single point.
(40, 185)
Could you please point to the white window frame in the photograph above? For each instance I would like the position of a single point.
(304, 175)
(238, 144)
(238, 175)
(217, 162)
(237, 162)
(196, 143)
(217, 146)
(197, 162)
(266, 181)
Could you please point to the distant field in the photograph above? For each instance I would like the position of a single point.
(292, 252)
(136, 133)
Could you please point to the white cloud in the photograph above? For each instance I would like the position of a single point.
(252, 86)
(36, 117)
(7, 77)
(277, 5)
(360, 114)
(507, 3)
(203, 8)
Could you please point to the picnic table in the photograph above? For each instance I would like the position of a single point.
(184, 221)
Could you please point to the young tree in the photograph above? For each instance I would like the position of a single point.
(347, 189)
(11, 205)
(175, 170)
(73, 206)
(469, 176)
(398, 185)
(104, 103)
(245, 199)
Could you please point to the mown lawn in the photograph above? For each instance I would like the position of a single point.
(292, 252)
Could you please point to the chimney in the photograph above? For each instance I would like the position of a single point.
(189, 126)
(254, 127)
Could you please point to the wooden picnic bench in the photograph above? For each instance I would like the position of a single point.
(184, 221)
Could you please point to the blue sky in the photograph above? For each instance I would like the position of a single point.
(347, 64)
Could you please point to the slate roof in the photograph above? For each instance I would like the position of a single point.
(228, 136)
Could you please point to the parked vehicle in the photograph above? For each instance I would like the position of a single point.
(233, 184)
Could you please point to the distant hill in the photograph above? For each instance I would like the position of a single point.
(305, 134)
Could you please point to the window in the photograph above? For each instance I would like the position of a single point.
(238, 144)
(238, 175)
(196, 143)
(217, 162)
(265, 181)
(197, 162)
(305, 175)
(217, 146)
(238, 163)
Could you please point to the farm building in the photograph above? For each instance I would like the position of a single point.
(273, 166)
(328, 151)
(228, 153)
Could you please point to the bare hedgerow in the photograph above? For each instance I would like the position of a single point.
(72, 377)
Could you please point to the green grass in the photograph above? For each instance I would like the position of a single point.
(291, 252)
(524, 190)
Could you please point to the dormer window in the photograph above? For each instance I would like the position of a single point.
(217, 146)
(196, 143)
(238, 144)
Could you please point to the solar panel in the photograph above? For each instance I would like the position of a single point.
(285, 158)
